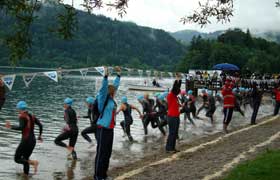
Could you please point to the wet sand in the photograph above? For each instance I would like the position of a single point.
(209, 159)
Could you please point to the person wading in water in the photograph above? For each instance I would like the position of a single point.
(71, 129)
(28, 141)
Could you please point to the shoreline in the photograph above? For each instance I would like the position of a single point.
(160, 157)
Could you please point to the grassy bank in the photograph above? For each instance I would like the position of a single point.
(264, 167)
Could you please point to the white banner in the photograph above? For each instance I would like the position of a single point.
(110, 70)
(52, 75)
(101, 70)
(170, 74)
(140, 72)
(129, 71)
(28, 78)
(161, 74)
(84, 72)
(9, 80)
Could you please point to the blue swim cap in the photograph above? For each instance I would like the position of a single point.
(157, 95)
(203, 90)
(210, 92)
(140, 97)
(90, 100)
(21, 105)
(164, 94)
(190, 92)
(234, 90)
(124, 99)
(68, 101)
(161, 97)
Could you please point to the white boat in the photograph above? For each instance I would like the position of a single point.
(134, 87)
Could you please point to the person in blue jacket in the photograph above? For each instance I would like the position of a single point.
(107, 108)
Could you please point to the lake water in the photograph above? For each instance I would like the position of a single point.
(45, 100)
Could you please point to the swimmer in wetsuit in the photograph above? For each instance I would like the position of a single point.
(128, 120)
(92, 115)
(204, 105)
(28, 140)
(70, 131)
(149, 115)
(211, 106)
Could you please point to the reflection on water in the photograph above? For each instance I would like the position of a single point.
(45, 99)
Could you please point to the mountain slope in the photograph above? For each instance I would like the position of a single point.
(98, 41)
(186, 36)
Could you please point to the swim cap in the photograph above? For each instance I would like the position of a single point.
(210, 92)
(68, 101)
(90, 100)
(21, 105)
(190, 92)
(156, 94)
(165, 94)
(203, 90)
(124, 99)
(161, 97)
(183, 92)
(140, 97)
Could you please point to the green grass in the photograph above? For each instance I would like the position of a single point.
(264, 167)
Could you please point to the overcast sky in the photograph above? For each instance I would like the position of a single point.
(259, 15)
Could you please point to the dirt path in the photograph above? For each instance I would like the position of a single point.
(208, 158)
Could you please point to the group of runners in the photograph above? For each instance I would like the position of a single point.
(161, 111)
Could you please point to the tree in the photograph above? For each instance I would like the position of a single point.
(24, 14)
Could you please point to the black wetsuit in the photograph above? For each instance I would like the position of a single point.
(92, 128)
(186, 109)
(191, 99)
(2, 96)
(28, 140)
(150, 116)
(71, 133)
(237, 104)
(204, 104)
(256, 99)
(211, 107)
(161, 112)
(127, 122)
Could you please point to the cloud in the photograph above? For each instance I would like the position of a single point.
(165, 14)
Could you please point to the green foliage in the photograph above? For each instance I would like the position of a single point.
(67, 22)
(266, 166)
(97, 41)
(18, 40)
(236, 47)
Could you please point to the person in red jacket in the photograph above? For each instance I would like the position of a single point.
(277, 97)
(173, 115)
(229, 100)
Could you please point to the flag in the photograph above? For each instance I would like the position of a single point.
(9, 80)
(140, 72)
(52, 75)
(84, 72)
(148, 73)
(101, 70)
(28, 78)
(170, 74)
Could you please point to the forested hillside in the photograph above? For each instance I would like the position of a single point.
(98, 41)
(234, 46)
